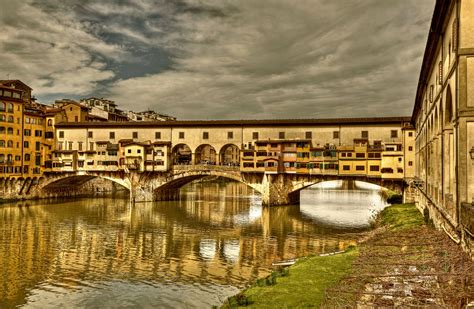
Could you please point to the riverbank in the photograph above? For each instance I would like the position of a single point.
(404, 262)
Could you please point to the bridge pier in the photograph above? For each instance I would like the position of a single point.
(277, 190)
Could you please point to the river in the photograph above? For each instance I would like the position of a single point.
(105, 253)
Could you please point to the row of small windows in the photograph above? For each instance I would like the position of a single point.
(4, 107)
(230, 134)
(10, 94)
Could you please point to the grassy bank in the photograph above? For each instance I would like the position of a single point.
(304, 284)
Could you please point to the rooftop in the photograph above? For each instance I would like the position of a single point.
(239, 123)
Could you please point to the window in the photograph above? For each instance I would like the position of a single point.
(139, 151)
(61, 134)
(129, 151)
(394, 134)
(26, 144)
(399, 159)
(346, 167)
(76, 118)
(364, 134)
(308, 135)
(89, 134)
(254, 135)
(38, 133)
(181, 135)
(27, 132)
(281, 135)
(360, 155)
(360, 168)
(38, 146)
(230, 135)
(135, 134)
(10, 108)
(410, 134)
(410, 148)
(3, 106)
(205, 135)
(37, 160)
(79, 145)
(111, 135)
(410, 163)
(157, 135)
(70, 145)
(335, 134)
(10, 131)
(399, 170)
(343, 154)
(10, 144)
(349, 154)
(50, 123)
(374, 168)
(27, 157)
(91, 145)
(48, 135)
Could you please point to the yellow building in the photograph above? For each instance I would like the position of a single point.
(11, 129)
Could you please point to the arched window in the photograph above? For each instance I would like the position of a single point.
(10, 144)
(10, 119)
(10, 131)
(2, 158)
(3, 118)
(10, 107)
(2, 130)
(2, 143)
(27, 157)
(448, 114)
(3, 106)
(50, 122)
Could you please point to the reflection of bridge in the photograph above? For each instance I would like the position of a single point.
(276, 189)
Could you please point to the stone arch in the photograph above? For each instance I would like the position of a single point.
(67, 182)
(229, 154)
(170, 189)
(205, 154)
(181, 154)
(294, 193)
(449, 108)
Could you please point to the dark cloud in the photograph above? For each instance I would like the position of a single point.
(223, 59)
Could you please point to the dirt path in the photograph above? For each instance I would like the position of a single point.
(411, 268)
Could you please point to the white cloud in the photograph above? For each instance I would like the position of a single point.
(51, 52)
(229, 59)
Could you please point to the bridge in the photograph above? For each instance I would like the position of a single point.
(275, 189)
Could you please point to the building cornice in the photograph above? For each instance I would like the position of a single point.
(237, 123)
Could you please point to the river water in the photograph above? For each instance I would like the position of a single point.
(105, 253)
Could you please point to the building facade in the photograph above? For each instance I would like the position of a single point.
(444, 119)
(351, 147)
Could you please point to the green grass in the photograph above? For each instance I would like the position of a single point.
(302, 286)
(401, 216)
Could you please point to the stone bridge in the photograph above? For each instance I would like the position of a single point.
(276, 189)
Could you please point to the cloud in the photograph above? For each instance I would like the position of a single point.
(51, 52)
(232, 59)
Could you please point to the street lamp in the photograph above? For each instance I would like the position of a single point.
(472, 153)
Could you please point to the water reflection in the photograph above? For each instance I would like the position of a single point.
(194, 252)
(330, 205)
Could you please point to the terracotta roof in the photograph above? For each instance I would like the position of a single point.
(238, 123)
(12, 81)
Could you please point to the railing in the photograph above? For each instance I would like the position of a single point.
(180, 168)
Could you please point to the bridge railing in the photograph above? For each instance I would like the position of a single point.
(198, 167)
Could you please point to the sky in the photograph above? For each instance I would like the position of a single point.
(221, 59)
